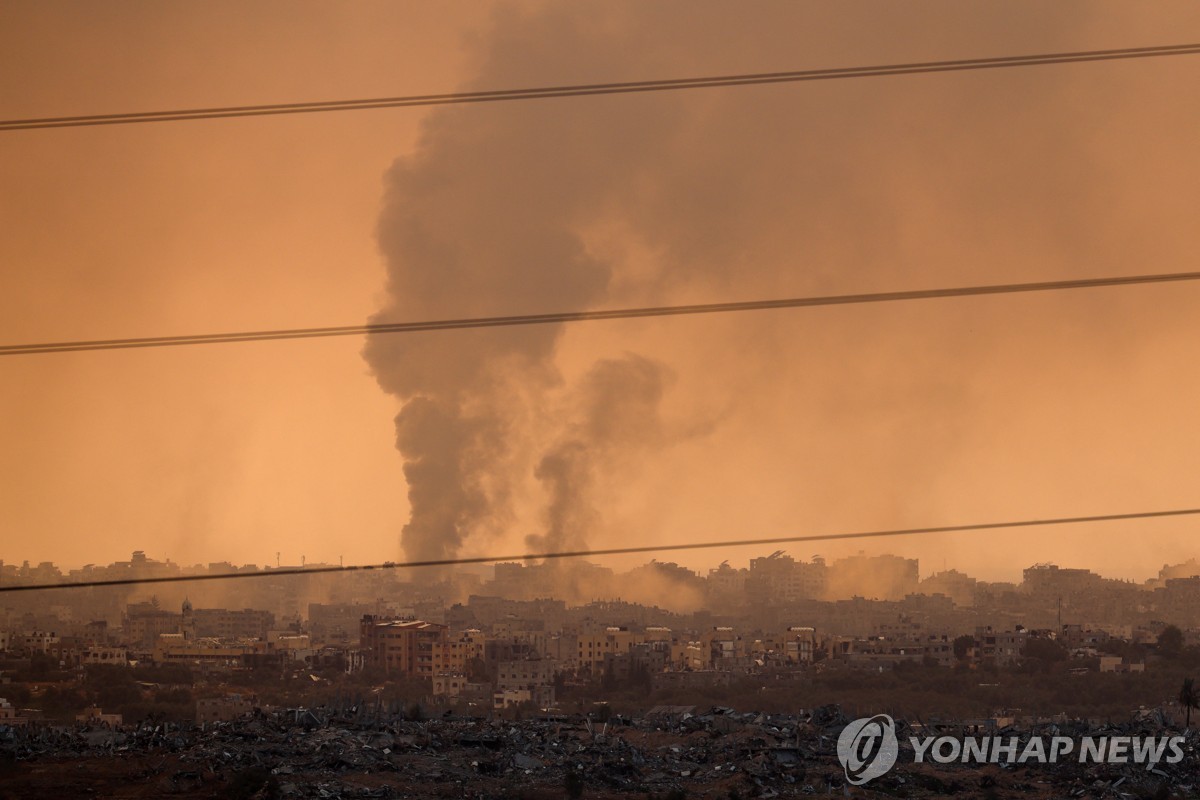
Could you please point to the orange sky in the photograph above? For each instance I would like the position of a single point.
(788, 422)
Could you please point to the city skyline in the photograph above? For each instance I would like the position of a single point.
(599, 398)
(146, 562)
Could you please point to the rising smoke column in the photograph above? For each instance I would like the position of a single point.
(486, 219)
(615, 419)
(617, 416)
(847, 186)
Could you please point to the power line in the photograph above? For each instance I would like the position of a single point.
(611, 551)
(580, 90)
(584, 316)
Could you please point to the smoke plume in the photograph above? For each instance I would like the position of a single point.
(841, 419)
(491, 216)
(618, 415)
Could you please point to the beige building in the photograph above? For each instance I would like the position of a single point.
(117, 656)
(409, 647)
(458, 650)
(9, 715)
(540, 696)
(596, 643)
(174, 648)
(457, 686)
(525, 674)
(224, 709)
(691, 656)
(95, 716)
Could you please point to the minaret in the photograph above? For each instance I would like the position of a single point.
(189, 622)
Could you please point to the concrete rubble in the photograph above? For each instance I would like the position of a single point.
(717, 752)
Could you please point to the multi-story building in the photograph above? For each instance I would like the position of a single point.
(540, 696)
(799, 643)
(1179, 601)
(956, 585)
(224, 709)
(458, 686)
(725, 645)
(95, 633)
(176, 648)
(30, 642)
(97, 654)
(525, 681)
(405, 646)
(647, 658)
(143, 623)
(779, 578)
(458, 650)
(1051, 581)
(336, 623)
(525, 674)
(595, 643)
(691, 655)
(727, 584)
(999, 648)
(562, 647)
(222, 623)
(882, 577)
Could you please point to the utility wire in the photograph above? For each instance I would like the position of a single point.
(583, 316)
(610, 551)
(580, 90)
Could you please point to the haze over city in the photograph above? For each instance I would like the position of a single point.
(533, 399)
(599, 434)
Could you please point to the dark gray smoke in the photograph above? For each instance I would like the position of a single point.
(489, 216)
(446, 451)
(855, 418)
(617, 413)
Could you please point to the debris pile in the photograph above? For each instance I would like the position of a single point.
(717, 752)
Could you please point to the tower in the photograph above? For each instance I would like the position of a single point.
(188, 628)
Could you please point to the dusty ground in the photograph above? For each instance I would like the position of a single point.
(713, 755)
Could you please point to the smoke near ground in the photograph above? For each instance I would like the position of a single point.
(617, 418)
(856, 418)
(491, 217)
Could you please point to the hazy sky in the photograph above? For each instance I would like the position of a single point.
(825, 420)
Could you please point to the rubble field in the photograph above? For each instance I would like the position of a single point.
(671, 752)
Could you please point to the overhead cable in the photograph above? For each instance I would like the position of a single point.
(587, 89)
(608, 551)
(584, 316)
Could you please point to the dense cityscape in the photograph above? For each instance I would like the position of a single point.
(504, 636)
(781, 635)
(589, 283)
